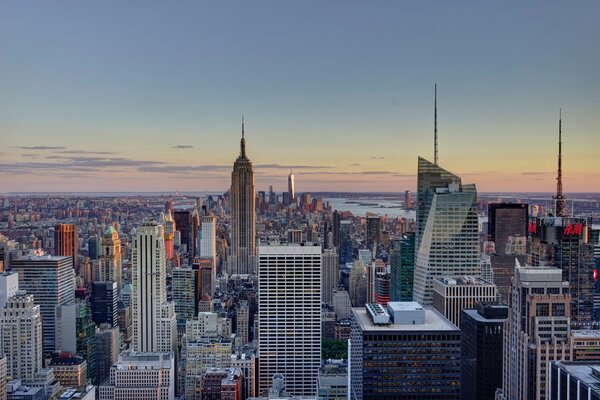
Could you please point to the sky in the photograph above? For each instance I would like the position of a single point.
(148, 96)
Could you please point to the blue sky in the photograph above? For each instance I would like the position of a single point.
(344, 89)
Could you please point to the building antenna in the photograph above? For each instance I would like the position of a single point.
(560, 207)
(435, 135)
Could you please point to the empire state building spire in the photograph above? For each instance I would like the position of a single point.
(243, 141)
(561, 202)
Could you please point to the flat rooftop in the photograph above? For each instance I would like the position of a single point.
(433, 322)
(582, 370)
(480, 318)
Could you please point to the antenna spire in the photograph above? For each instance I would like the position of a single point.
(243, 141)
(435, 134)
(561, 203)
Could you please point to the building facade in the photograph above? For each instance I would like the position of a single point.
(451, 295)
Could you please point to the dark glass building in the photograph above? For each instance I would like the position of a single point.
(94, 248)
(346, 249)
(402, 265)
(481, 351)
(403, 352)
(184, 224)
(574, 380)
(104, 303)
(504, 220)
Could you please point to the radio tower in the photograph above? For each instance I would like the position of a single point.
(560, 201)
(435, 138)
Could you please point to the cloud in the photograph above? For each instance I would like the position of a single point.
(86, 152)
(377, 158)
(536, 173)
(355, 173)
(183, 146)
(279, 166)
(355, 165)
(184, 169)
(39, 147)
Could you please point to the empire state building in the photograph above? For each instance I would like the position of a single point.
(242, 258)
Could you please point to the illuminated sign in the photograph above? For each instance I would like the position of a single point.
(532, 228)
(573, 229)
(595, 274)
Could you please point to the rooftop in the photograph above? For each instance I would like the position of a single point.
(433, 322)
(584, 371)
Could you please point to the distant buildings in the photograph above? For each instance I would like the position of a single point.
(51, 281)
(289, 316)
(373, 230)
(505, 220)
(447, 229)
(404, 352)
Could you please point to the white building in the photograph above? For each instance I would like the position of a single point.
(330, 276)
(21, 336)
(289, 317)
(9, 284)
(451, 295)
(208, 237)
(341, 304)
(111, 261)
(140, 376)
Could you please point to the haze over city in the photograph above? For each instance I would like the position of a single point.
(148, 97)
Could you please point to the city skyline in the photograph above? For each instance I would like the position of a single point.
(141, 108)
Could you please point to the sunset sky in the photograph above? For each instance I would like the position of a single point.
(148, 96)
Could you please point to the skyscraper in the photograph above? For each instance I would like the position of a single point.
(21, 336)
(447, 229)
(169, 224)
(66, 243)
(208, 237)
(330, 276)
(505, 220)
(184, 223)
(560, 207)
(107, 351)
(291, 188)
(373, 230)
(111, 260)
(452, 295)
(154, 323)
(537, 332)
(289, 317)
(243, 215)
(402, 268)
(104, 303)
(51, 281)
(345, 238)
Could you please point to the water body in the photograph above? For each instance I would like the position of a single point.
(360, 206)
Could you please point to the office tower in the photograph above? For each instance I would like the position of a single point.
(382, 287)
(330, 275)
(208, 237)
(243, 215)
(207, 277)
(107, 351)
(574, 380)
(333, 387)
(451, 295)
(222, 384)
(482, 350)
(111, 260)
(502, 270)
(373, 269)
(184, 224)
(66, 243)
(341, 304)
(345, 238)
(9, 285)
(289, 298)
(447, 229)
(402, 268)
(140, 376)
(563, 242)
(154, 323)
(403, 352)
(70, 369)
(3, 378)
(408, 200)
(242, 321)
(294, 236)
(21, 336)
(195, 230)
(75, 333)
(537, 332)
(51, 281)
(505, 220)
(373, 230)
(169, 224)
(357, 284)
(2, 259)
(104, 303)
(94, 247)
(184, 284)
(335, 228)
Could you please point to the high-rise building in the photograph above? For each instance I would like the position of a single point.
(140, 376)
(169, 224)
(154, 323)
(403, 352)
(335, 228)
(242, 321)
(482, 350)
(21, 336)
(330, 276)
(207, 277)
(107, 351)
(3, 378)
(111, 260)
(222, 384)
(451, 295)
(184, 283)
(505, 220)
(447, 229)
(358, 284)
(291, 188)
(503, 268)
(243, 215)
(345, 242)
(184, 224)
(208, 237)
(75, 333)
(537, 332)
(104, 303)
(408, 200)
(571, 380)
(341, 304)
(402, 268)
(9, 285)
(94, 247)
(289, 316)
(373, 230)
(66, 243)
(51, 281)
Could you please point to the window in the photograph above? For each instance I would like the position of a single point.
(542, 309)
